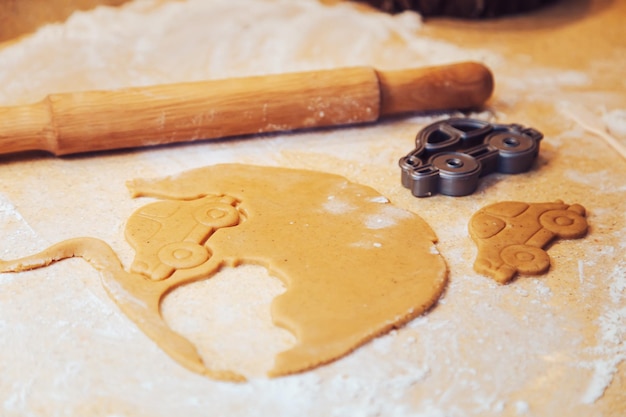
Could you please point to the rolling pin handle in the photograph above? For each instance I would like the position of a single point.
(464, 85)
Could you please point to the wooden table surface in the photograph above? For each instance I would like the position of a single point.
(539, 346)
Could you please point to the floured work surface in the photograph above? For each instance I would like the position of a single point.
(536, 346)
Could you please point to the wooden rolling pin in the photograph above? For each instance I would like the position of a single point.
(133, 117)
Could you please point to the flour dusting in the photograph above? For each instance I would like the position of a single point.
(484, 350)
(387, 216)
(610, 351)
(615, 121)
(336, 205)
(154, 36)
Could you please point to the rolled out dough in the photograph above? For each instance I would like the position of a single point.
(355, 266)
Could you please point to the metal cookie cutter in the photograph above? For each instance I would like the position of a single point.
(451, 155)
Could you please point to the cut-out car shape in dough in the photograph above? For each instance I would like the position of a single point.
(511, 235)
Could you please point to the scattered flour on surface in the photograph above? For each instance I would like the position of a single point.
(336, 205)
(617, 289)
(380, 199)
(268, 38)
(610, 351)
(615, 122)
(541, 288)
(19, 238)
(604, 127)
(388, 216)
(521, 407)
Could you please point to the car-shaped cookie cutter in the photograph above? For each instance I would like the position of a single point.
(451, 155)
(511, 235)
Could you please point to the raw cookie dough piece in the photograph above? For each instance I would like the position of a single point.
(510, 235)
(354, 265)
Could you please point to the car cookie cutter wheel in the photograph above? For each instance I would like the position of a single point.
(451, 155)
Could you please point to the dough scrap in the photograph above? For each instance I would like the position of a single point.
(510, 236)
(355, 266)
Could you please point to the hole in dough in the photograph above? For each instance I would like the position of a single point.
(227, 318)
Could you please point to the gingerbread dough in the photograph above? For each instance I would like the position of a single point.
(355, 266)
(510, 235)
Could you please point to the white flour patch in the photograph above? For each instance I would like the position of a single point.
(388, 216)
(19, 238)
(521, 407)
(611, 349)
(547, 79)
(591, 123)
(618, 284)
(366, 244)
(379, 222)
(615, 122)
(581, 271)
(542, 289)
(336, 205)
(603, 181)
(7, 209)
(380, 199)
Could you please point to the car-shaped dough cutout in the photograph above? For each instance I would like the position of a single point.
(170, 235)
(511, 235)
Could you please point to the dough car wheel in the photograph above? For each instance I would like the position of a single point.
(217, 215)
(526, 259)
(564, 223)
(183, 255)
